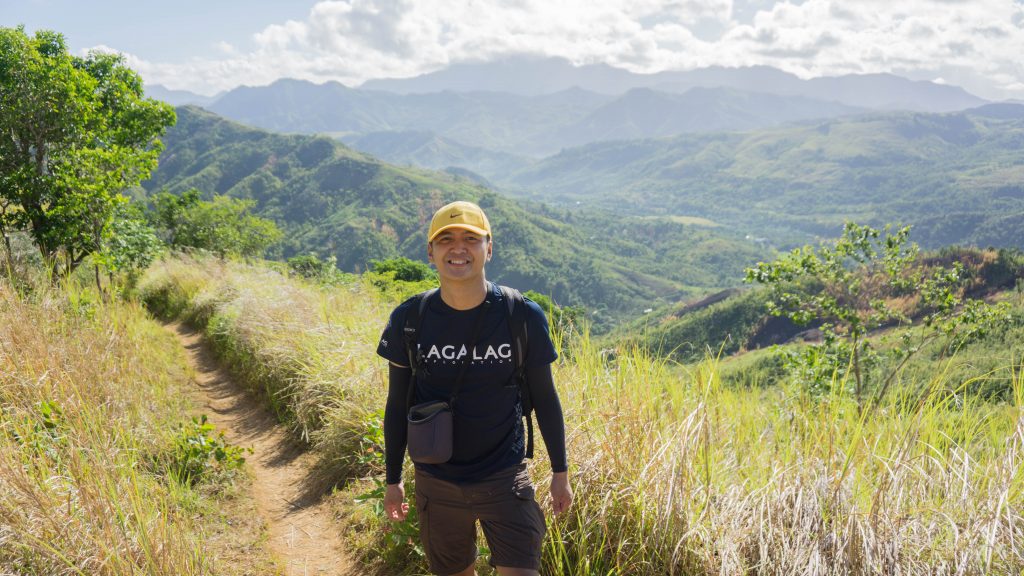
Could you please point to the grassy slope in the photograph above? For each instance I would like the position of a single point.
(674, 472)
(91, 395)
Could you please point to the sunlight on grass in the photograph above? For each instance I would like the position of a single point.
(674, 472)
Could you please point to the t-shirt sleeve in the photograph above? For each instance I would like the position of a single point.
(391, 345)
(540, 349)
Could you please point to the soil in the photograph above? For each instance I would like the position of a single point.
(303, 535)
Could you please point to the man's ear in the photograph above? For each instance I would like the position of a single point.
(490, 249)
(430, 252)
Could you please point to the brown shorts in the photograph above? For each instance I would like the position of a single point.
(512, 521)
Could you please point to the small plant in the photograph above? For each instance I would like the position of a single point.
(47, 434)
(200, 454)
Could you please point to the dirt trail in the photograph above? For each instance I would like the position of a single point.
(303, 536)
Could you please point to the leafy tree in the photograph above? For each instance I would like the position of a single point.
(311, 266)
(224, 226)
(74, 133)
(404, 269)
(868, 279)
(129, 246)
(168, 214)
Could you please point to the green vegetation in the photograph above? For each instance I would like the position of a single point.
(92, 395)
(675, 472)
(864, 280)
(74, 133)
(956, 177)
(200, 453)
(332, 202)
(224, 225)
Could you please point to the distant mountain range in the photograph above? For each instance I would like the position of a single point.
(179, 97)
(533, 126)
(535, 108)
(532, 76)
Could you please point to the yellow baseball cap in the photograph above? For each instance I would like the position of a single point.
(459, 214)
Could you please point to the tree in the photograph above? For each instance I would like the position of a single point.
(224, 225)
(869, 278)
(129, 245)
(74, 133)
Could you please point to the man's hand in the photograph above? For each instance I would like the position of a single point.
(561, 493)
(395, 507)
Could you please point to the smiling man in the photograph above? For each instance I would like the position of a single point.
(485, 350)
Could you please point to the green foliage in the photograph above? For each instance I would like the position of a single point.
(200, 454)
(312, 267)
(691, 332)
(74, 133)
(332, 201)
(562, 317)
(404, 269)
(955, 177)
(866, 279)
(129, 244)
(223, 226)
(400, 278)
(47, 433)
(403, 539)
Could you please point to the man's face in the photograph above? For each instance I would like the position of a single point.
(459, 254)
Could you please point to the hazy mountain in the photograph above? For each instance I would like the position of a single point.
(178, 97)
(498, 121)
(532, 126)
(332, 200)
(537, 76)
(645, 113)
(523, 75)
(959, 177)
(428, 150)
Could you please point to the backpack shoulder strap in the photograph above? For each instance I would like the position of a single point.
(517, 325)
(410, 336)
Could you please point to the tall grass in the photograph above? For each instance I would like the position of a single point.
(674, 472)
(308, 350)
(86, 390)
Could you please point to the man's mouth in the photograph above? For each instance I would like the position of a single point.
(458, 262)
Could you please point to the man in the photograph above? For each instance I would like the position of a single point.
(485, 480)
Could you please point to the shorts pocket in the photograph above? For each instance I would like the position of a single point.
(522, 487)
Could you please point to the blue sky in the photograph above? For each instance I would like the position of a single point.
(219, 44)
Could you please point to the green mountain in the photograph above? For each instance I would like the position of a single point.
(334, 201)
(958, 177)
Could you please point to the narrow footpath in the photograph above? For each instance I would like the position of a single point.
(303, 537)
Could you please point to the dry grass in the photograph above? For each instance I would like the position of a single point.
(89, 391)
(674, 473)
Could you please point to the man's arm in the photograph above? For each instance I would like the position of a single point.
(395, 423)
(552, 429)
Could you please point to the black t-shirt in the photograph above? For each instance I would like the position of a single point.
(489, 433)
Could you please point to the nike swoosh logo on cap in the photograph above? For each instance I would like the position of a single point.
(455, 214)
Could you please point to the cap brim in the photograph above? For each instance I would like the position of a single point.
(469, 227)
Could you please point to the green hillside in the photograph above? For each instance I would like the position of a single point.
(334, 201)
(958, 177)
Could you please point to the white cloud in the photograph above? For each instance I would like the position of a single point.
(976, 42)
